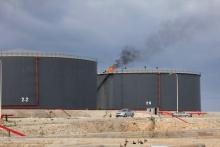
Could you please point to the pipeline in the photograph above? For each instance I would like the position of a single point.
(170, 114)
(11, 130)
(66, 113)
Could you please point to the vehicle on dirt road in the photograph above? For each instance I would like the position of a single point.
(125, 113)
(181, 114)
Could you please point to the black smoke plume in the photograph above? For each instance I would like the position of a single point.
(171, 32)
(168, 34)
(127, 55)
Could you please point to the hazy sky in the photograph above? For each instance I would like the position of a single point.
(181, 34)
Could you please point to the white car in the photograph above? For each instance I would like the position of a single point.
(181, 114)
(125, 113)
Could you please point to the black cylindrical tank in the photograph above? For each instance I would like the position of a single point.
(140, 89)
(49, 81)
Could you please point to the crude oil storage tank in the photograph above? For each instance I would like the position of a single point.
(140, 89)
(47, 80)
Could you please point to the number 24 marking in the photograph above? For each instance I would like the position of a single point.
(24, 99)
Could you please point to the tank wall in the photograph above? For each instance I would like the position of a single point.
(167, 92)
(18, 81)
(67, 83)
(190, 92)
(127, 91)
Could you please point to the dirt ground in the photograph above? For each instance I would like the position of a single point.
(89, 128)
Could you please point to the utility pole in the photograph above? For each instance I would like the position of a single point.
(177, 93)
(0, 88)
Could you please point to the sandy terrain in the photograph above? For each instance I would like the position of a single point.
(53, 128)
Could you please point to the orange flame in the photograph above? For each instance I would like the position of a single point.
(111, 69)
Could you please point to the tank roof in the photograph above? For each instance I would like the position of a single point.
(34, 53)
(150, 70)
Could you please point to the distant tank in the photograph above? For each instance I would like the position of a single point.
(47, 80)
(139, 89)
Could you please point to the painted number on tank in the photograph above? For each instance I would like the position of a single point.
(24, 99)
